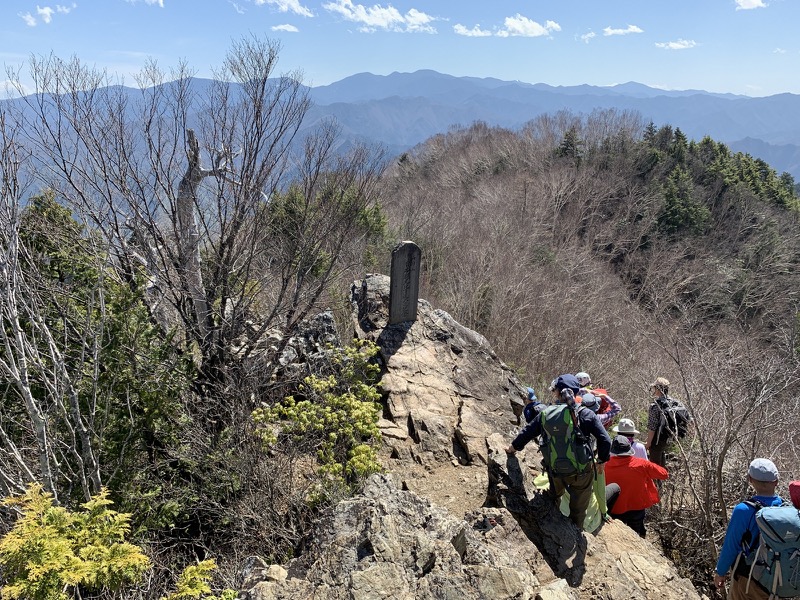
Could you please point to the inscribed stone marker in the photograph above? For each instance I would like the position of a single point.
(404, 285)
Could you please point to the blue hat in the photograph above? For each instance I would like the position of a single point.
(531, 394)
(567, 381)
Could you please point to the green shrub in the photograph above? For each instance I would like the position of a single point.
(52, 552)
(193, 583)
(337, 414)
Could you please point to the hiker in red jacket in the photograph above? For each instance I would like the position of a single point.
(635, 478)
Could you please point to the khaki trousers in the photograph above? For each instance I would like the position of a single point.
(580, 487)
(738, 586)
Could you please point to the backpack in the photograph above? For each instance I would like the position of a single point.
(532, 409)
(776, 562)
(565, 448)
(675, 419)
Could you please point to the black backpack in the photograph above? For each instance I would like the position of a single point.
(675, 419)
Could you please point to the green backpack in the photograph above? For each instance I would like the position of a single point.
(565, 448)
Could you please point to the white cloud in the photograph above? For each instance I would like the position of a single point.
(419, 22)
(237, 7)
(679, 44)
(379, 17)
(750, 4)
(45, 13)
(288, 28)
(525, 27)
(292, 6)
(586, 37)
(779, 51)
(29, 19)
(150, 2)
(13, 89)
(474, 32)
(626, 31)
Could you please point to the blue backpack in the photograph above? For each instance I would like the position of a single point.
(776, 562)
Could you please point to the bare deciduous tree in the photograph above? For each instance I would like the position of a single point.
(187, 180)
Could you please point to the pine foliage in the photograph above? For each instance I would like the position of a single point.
(52, 552)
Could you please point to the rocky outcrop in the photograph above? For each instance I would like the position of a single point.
(457, 517)
(389, 543)
(445, 391)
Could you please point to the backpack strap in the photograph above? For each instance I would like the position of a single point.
(746, 544)
(747, 536)
(576, 426)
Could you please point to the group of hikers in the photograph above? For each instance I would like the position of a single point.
(577, 450)
(576, 446)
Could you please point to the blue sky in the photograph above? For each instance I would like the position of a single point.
(741, 46)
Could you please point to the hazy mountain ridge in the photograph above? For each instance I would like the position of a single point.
(402, 109)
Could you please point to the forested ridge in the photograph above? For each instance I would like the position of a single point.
(159, 268)
(604, 244)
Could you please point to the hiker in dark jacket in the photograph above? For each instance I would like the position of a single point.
(580, 485)
(657, 435)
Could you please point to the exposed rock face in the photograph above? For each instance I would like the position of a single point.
(387, 543)
(446, 391)
(458, 518)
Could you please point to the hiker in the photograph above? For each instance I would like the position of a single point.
(532, 406)
(628, 429)
(635, 477)
(566, 428)
(584, 380)
(603, 405)
(742, 533)
(657, 434)
(607, 405)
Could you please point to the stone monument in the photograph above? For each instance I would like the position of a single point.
(404, 286)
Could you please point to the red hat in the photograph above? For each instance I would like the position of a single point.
(794, 493)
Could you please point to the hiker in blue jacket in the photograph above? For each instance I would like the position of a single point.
(580, 485)
(762, 475)
(532, 406)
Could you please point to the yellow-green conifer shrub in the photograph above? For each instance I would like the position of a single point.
(338, 414)
(51, 552)
(193, 583)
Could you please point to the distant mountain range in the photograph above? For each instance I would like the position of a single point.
(403, 109)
